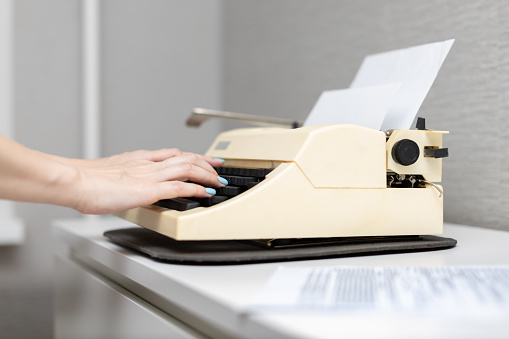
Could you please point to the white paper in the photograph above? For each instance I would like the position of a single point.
(415, 68)
(365, 106)
(440, 290)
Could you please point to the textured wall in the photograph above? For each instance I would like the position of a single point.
(279, 56)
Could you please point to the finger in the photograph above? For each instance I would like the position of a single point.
(180, 189)
(214, 162)
(162, 154)
(193, 173)
(191, 158)
(190, 172)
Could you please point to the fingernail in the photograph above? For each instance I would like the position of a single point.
(210, 191)
(222, 180)
(219, 159)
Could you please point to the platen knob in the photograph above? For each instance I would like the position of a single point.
(405, 152)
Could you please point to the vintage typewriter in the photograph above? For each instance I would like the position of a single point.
(311, 182)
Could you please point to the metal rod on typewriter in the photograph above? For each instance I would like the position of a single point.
(200, 115)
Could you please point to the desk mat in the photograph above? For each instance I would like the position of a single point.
(232, 252)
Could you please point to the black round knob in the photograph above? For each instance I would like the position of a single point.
(405, 152)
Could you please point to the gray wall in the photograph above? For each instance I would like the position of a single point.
(160, 59)
(280, 55)
(47, 98)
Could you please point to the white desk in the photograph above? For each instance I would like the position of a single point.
(106, 291)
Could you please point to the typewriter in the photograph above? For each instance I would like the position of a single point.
(324, 181)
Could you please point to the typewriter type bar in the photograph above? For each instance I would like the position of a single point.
(315, 182)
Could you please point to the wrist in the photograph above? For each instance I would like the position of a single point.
(61, 185)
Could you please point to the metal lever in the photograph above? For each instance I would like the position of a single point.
(200, 115)
(424, 182)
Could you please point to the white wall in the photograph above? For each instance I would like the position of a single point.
(160, 59)
(6, 10)
(5, 84)
(11, 228)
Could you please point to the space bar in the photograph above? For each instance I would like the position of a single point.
(179, 204)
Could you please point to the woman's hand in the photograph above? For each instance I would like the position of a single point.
(139, 178)
(105, 185)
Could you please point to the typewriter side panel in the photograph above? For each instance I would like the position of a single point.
(344, 156)
(288, 206)
(430, 168)
(155, 218)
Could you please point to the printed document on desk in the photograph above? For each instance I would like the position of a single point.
(455, 290)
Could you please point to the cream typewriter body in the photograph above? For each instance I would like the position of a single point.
(322, 181)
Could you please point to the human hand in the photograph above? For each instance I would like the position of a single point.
(133, 179)
(105, 185)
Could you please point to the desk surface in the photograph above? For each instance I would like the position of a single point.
(216, 295)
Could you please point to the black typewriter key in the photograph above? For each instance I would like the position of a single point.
(254, 172)
(229, 191)
(179, 204)
(259, 173)
(223, 170)
(239, 171)
(243, 172)
(238, 180)
(251, 184)
(213, 200)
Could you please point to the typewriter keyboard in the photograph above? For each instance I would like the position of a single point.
(239, 181)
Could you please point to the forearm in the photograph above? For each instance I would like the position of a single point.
(75, 162)
(104, 185)
(32, 176)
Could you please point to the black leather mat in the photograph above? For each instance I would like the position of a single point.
(231, 252)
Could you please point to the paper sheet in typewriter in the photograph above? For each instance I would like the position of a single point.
(365, 106)
(415, 68)
(387, 90)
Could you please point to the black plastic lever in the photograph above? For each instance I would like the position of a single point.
(436, 152)
(421, 124)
